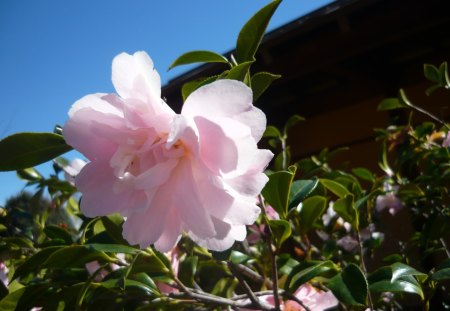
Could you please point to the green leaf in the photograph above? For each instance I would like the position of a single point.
(56, 232)
(308, 270)
(383, 280)
(260, 82)
(74, 256)
(442, 271)
(240, 71)
(222, 255)
(399, 270)
(272, 131)
(252, 33)
(350, 286)
(281, 230)
(10, 302)
(334, 187)
(300, 190)
(24, 150)
(150, 263)
(293, 120)
(34, 263)
(113, 225)
(187, 269)
(191, 86)
(276, 191)
(432, 73)
(29, 174)
(310, 210)
(112, 248)
(383, 162)
(198, 57)
(364, 174)
(345, 208)
(391, 103)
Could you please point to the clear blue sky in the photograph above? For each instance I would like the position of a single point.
(54, 52)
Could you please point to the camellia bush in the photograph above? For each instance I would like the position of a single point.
(183, 211)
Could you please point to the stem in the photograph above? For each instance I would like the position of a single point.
(273, 256)
(429, 114)
(253, 275)
(247, 289)
(363, 266)
(283, 150)
(444, 244)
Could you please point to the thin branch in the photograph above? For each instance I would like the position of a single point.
(259, 304)
(253, 275)
(444, 244)
(363, 266)
(273, 256)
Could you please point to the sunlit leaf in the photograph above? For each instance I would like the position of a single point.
(364, 174)
(198, 57)
(240, 71)
(350, 286)
(272, 131)
(334, 187)
(260, 82)
(34, 263)
(311, 209)
(345, 207)
(300, 190)
(252, 33)
(391, 103)
(24, 150)
(442, 271)
(74, 256)
(281, 230)
(276, 191)
(308, 270)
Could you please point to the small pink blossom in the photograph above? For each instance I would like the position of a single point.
(313, 298)
(446, 142)
(197, 172)
(4, 274)
(389, 201)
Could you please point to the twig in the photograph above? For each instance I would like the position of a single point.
(247, 288)
(363, 266)
(273, 256)
(253, 275)
(444, 244)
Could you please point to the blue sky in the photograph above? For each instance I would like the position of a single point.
(54, 52)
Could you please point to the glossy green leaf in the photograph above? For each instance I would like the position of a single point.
(281, 230)
(74, 256)
(300, 190)
(149, 263)
(56, 232)
(113, 226)
(23, 150)
(391, 103)
(240, 71)
(252, 33)
(260, 82)
(193, 85)
(383, 280)
(335, 187)
(198, 57)
(308, 270)
(112, 248)
(292, 121)
(187, 269)
(272, 131)
(34, 263)
(276, 191)
(432, 73)
(311, 209)
(442, 271)
(350, 286)
(238, 257)
(29, 174)
(345, 208)
(10, 302)
(400, 270)
(364, 174)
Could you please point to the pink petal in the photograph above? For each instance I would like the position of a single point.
(97, 182)
(171, 234)
(226, 98)
(217, 151)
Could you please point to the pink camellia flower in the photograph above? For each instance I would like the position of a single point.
(311, 297)
(73, 169)
(4, 274)
(388, 200)
(446, 142)
(197, 172)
